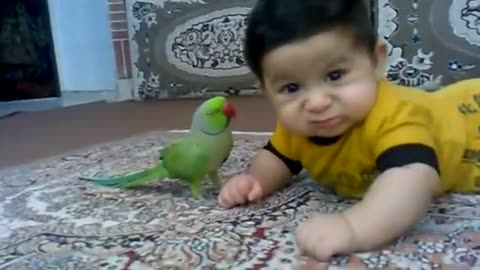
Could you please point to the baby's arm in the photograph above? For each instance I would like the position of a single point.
(267, 173)
(394, 203)
(407, 155)
(270, 171)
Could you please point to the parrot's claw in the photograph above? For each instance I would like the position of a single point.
(200, 197)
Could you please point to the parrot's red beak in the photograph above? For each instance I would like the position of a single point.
(229, 110)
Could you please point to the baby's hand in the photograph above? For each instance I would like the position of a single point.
(239, 190)
(324, 236)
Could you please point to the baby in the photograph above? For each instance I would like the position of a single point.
(394, 148)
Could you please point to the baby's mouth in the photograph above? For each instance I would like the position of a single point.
(326, 122)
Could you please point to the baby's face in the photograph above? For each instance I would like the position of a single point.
(321, 86)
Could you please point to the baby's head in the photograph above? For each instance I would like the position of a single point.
(316, 60)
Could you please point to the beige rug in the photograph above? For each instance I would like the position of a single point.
(51, 220)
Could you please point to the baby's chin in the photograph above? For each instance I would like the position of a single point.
(318, 133)
(325, 134)
(306, 130)
(339, 131)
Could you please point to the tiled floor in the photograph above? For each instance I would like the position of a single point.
(30, 136)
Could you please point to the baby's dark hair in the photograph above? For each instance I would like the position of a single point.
(274, 23)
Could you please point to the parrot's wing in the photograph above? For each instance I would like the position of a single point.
(186, 160)
(168, 146)
(157, 173)
(229, 152)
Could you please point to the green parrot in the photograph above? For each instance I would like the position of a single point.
(198, 154)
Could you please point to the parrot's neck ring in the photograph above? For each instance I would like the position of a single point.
(212, 133)
(204, 130)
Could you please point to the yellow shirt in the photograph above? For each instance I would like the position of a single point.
(405, 126)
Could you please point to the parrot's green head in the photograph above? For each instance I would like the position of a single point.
(213, 115)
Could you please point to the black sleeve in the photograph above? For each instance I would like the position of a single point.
(294, 166)
(406, 154)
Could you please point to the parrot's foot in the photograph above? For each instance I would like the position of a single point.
(214, 178)
(195, 188)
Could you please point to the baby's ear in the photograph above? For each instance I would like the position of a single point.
(380, 55)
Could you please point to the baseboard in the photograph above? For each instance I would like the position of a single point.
(123, 92)
(31, 105)
(72, 98)
(235, 132)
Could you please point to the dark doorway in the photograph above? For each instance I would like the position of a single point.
(27, 60)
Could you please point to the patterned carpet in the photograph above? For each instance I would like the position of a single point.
(51, 220)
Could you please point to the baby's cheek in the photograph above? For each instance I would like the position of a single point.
(292, 121)
(294, 127)
(363, 98)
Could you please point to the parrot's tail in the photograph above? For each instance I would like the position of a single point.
(155, 173)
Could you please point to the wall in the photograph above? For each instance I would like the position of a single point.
(85, 58)
(121, 44)
(96, 31)
(83, 47)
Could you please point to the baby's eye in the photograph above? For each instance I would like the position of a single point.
(291, 88)
(335, 75)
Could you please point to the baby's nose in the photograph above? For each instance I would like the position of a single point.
(318, 102)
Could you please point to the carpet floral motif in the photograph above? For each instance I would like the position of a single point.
(430, 43)
(51, 220)
(194, 46)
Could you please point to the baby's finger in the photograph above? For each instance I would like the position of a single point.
(322, 252)
(224, 198)
(236, 194)
(229, 197)
(308, 263)
(255, 192)
(314, 248)
(221, 199)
